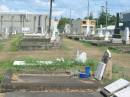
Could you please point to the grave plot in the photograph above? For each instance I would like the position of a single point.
(30, 43)
(51, 94)
(43, 82)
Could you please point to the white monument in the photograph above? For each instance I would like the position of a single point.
(6, 34)
(55, 33)
(81, 56)
(67, 29)
(125, 37)
(106, 38)
(93, 32)
(100, 32)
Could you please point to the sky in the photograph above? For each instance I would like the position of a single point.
(62, 7)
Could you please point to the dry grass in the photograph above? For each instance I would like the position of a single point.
(67, 51)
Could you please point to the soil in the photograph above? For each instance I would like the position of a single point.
(68, 50)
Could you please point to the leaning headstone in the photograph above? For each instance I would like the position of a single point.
(108, 61)
(100, 71)
(125, 37)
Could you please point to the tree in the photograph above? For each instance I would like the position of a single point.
(90, 17)
(112, 20)
(102, 19)
(62, 22)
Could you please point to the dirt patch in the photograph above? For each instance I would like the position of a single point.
(67, 51)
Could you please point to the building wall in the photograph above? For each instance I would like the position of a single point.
(15, 22)
(76, 27)
(126, 20)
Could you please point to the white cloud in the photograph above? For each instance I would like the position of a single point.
(57, 13)
(4, 8)
(42, 3)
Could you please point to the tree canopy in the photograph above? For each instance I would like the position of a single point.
(62, 22)
(102, 19)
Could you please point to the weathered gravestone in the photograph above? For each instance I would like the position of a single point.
(81, 56)
(106, 38)
(125, 37)
(100, 32)
(108, 61)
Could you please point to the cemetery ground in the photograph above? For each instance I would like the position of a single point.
(9, 53)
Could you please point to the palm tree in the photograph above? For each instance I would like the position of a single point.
(50, 16)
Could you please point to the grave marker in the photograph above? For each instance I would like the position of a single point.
(107, 60)
(125, 37)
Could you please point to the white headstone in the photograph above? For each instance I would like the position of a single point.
(125, 37)
(81, 57)
(100, 71)
(6, 34)
(93, 32)
(53, 37)
(88, 30)
(106, 38)
(100, 32)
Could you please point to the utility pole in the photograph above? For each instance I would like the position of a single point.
(88, 8)
(70, 17)
(106, 14)
(102, 9)
(50, 16)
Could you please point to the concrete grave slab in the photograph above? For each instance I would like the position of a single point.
(123, 93)
(17, 63)
(117, 85)
(41, 82)
(51, 94)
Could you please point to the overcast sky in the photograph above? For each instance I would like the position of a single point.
(62, 7)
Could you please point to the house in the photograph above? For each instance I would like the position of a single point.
(102, 31)
(88, 27)
(81, 27)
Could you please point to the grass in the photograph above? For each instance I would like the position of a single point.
(15, 41)
(112, 49)
(118, 72)
(4, 66)
(1, 45)
(86, 43)
(67, 66)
